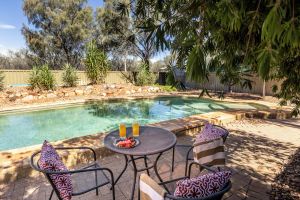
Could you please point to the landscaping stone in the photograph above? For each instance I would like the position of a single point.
(51, 95)
(28, 98)
(78, 92)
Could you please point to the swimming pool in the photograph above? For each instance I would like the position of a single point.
(31, 128)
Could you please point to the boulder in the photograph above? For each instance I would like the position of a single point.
(127, 92)
(78, 92)
(12, 97)
(86, 92)
(51, 95)
(89, 87)
(28, 98)
(18, 94)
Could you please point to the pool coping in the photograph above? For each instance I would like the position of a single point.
(15, 162)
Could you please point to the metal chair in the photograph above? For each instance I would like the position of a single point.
(216, 196)
(189, 155)
(92, 167)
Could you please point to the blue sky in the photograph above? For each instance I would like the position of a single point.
(11, 20)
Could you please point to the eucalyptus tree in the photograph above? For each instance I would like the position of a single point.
(119, 33)
(58, 30)
(264, 34)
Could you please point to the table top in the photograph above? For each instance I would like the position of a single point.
(153, 140)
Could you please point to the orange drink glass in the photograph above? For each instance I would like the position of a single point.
(122, 131)
(135, 129)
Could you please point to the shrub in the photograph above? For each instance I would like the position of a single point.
(1, 81)
(69, 76)
(96, 64)
(42, 78)
(145, 77)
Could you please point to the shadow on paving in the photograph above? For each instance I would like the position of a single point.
(287, 182)
(255, 160)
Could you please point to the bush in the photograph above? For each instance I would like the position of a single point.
(96, 64)
(1, 81)
(69, 76)
(170, 78)
(145, 77)
(34, 78)
(42, 78)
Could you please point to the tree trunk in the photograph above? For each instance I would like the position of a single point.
(229, 88)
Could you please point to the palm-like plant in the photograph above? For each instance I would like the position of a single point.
(96, 64)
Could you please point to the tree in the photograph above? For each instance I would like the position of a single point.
(96, 63)
(60, 30)
(120, 33)
(21, 59)
(1, 81)
(264, 34)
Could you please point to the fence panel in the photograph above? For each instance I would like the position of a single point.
(257, 85)
(21, 77)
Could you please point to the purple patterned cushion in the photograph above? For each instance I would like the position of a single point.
(50, 160)
(209, 133)
(202, 186)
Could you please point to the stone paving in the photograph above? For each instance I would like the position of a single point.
(256, 152)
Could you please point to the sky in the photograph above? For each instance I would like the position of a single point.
(11, 21)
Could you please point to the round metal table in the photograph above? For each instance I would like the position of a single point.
(153, 140)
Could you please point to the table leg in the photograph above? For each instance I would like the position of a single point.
(135, 171)
(146, 165)
(173, 155)
(156, 171)
(124, 169)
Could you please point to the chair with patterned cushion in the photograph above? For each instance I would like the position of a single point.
(63, 181)
(210, 186)
(204, 133)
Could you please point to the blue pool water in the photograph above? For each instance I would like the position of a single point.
(31, 128)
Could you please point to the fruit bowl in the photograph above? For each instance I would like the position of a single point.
(126, 143)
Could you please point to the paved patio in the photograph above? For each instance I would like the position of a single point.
(257, 151)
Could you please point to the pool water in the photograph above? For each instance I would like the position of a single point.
(31, 128)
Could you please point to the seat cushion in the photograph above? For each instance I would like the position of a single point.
(202, 186)
(50, 160)
(210, 132)
(149, 189)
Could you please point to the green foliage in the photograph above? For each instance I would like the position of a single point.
(1, 81)
(264, 35)
(58, 30)
(170, 80)
(34, 79)
(145, 77)
(96, 64)
(69, 76)
(167, 88)
(42, 78)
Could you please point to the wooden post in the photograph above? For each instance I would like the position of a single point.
(264, 89)
(125, 62)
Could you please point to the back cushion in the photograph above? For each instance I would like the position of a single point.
(210, 132)
(50, 160)
(202, 186)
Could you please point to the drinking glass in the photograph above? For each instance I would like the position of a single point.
(135, 129)
(122, 131)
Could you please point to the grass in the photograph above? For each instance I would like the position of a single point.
(167, 88)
